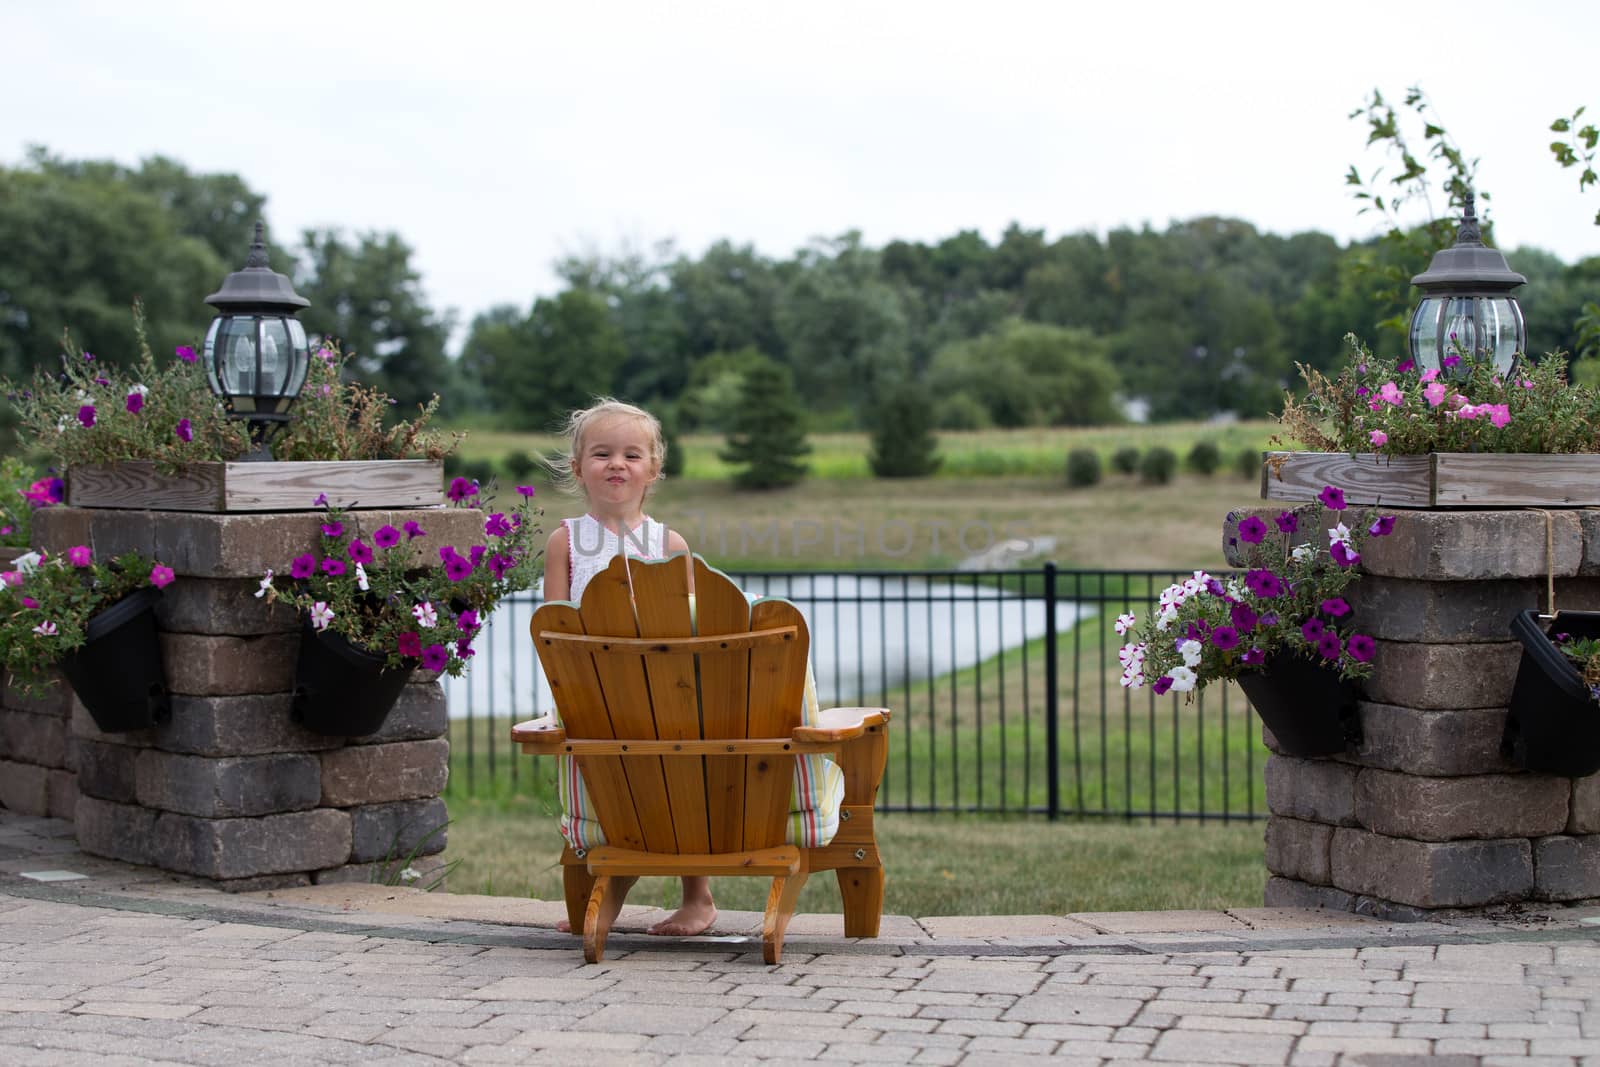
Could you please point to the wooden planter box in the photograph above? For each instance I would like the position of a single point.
(1436, 480)
(270, 486)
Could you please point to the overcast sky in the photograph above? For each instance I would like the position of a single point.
(497, 137)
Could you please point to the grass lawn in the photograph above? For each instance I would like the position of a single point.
(936, 864)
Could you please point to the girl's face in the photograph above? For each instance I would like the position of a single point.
(615, 465)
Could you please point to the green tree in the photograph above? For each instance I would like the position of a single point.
(366, 294)
(768, 439)
(1027, 374)
(901, 422)
(563, 355)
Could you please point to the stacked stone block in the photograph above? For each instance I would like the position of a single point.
(231, 789)
(38, 755)
(1426, 817)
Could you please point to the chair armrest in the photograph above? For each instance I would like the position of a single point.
(841, 724)
(543, 731)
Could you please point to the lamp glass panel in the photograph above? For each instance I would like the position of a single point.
(209, 355)
(276, 358)
(236, 342)
(301, 357)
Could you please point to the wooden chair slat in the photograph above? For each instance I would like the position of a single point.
(607, 608)
(777, 687)
(581, 704)
(724, 694)
(661, 598)
(638, 646)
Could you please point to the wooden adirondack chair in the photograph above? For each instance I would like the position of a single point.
(683, 734)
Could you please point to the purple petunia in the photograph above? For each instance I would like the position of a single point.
(1312, 630)
(1243, 618)
(1225, 637)
(1253, 656)
(135, 401)
(499, 564)
(434, 658)
(526, 490)
(1332, 498)
(413, 530)
(332, 529)
(86, 415)
(1263, 583)
(333, 568)
(1361, 647)
(303, 567)
(1340, 551)
(1162, 684)
(496, 525)
(1382, 526)
(1337, 606)
(1215, 588)
(183, 430)
(1407, 365)
(477, 554)
(1288, 522)
(359, 551)
(185, 353)
(457, 568)
(386, 536)
(460, 489)
(467, 621)
(1252, 530)
(1329, 646)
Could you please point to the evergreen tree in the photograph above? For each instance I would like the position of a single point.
(768, 438)
(902, 439)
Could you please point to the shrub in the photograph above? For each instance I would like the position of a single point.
(1125, 460)
(1204, 458)
(1083, 468)
(767, 442)
(1158, 465)
(961, 411)
(1248, 464)
(903, 445)
(519, 465)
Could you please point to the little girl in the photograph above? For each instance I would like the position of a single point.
(615, 459)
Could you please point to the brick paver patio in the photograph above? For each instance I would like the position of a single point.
(128, 965)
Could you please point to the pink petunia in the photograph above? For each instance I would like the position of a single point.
(80, 556)
(185, 353)
(1499, 415)
(409, 644)
(1391, 394)
(1434, 394)
(1378, 438)
(161, 576)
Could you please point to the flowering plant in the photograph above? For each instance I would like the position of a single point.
(93, 411)
(21, 494)
(46, 603)
(1391, 407)
(382, 592)
(1290, 599)
(1584, 654)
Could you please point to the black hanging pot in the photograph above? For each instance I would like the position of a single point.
(1310, 710)
(1553, 724)
(117, 673)
(341, 690)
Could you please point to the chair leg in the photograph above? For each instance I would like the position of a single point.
(861, 888)
(596, 921)
(577, 883)
(780, 909)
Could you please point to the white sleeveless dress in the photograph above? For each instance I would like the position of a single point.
(818, 781)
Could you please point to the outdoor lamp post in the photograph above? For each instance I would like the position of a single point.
(256, 352)
(1467, 302)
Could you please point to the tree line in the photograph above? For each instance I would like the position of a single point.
(1204, 317)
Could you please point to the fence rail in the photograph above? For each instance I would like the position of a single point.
(1004, 684)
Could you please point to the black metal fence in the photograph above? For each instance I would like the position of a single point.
(1005, 687)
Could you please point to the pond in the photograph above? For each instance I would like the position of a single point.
(869, 634)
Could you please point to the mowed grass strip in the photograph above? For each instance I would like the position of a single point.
(936, 865)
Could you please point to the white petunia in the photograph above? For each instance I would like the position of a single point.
(28, 562)
(266, 584)
(142, 390)
(45, 629)
(1165, 619)
(1172, 595)
(1340, 534)
(321, 615)
(1302, 552)
(1190, 651)
(425, 615)
(361, 578)
(1123, 624)
(1132, 679)
(1183, 679)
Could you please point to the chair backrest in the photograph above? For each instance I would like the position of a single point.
(668, 677)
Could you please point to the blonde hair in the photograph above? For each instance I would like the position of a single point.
(562, 466)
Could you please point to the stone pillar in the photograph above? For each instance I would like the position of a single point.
(231, 789)
(1427, 818)
(38, 755)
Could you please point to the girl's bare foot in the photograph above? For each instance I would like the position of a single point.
(610, 907)
(693, 918)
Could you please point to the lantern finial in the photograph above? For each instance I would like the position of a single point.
(258, 250)
(1469, 234)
